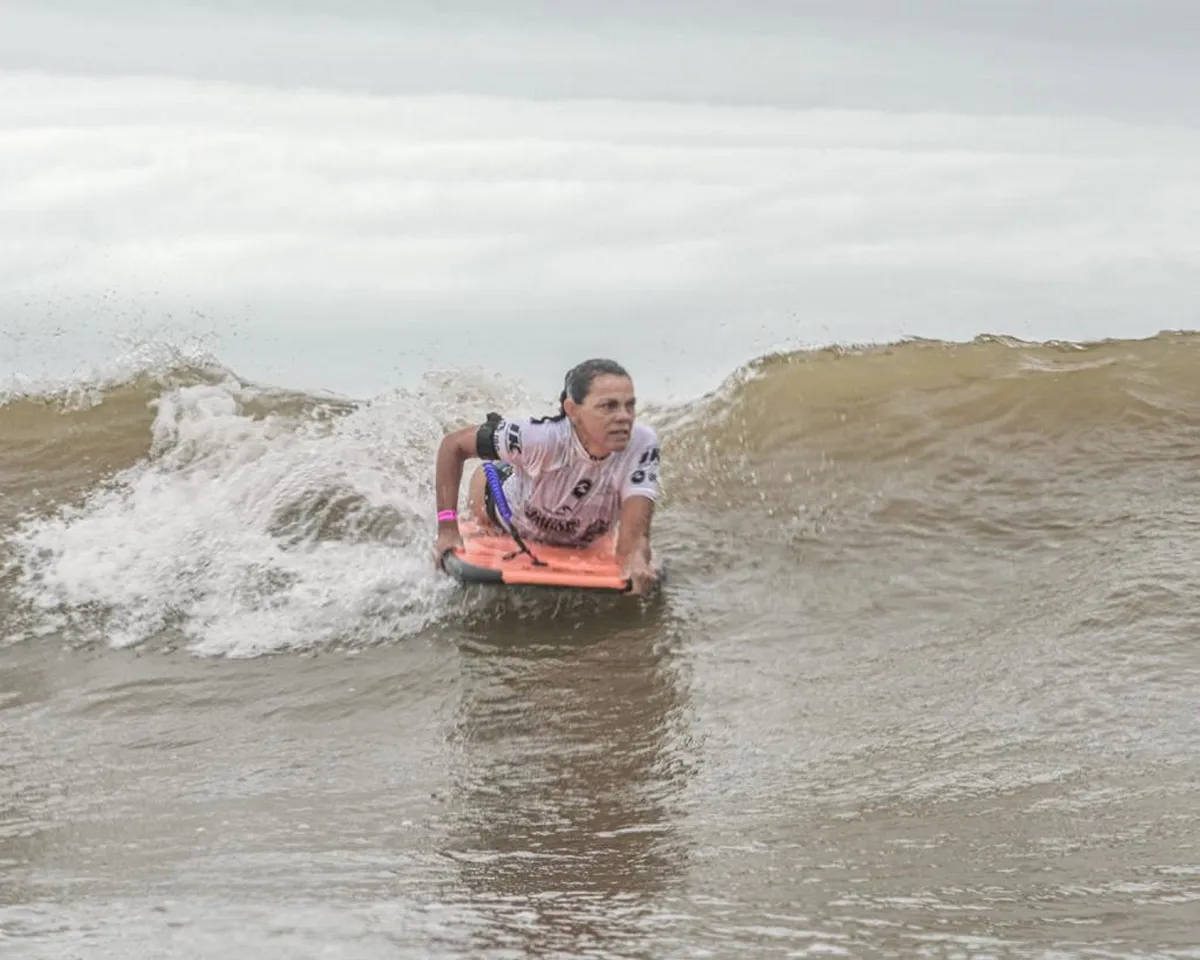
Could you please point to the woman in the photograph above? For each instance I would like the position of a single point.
(568, 479)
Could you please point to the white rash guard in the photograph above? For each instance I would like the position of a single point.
(558, 492)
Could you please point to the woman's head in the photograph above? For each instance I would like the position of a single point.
(598, 399)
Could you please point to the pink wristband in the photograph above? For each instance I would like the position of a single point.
(444, 515)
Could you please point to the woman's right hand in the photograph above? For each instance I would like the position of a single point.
(448, 538)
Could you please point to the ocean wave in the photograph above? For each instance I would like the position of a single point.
(244, 519)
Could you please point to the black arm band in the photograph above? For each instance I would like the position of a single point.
(486, 447)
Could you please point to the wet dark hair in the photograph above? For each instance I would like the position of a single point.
(577, 384)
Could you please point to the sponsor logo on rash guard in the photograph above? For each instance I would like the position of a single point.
(567, 527)
(550, 524)
(513, 438)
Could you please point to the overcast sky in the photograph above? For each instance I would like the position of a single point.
(1130, 58)
(741, 177)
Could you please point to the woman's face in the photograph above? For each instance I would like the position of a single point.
(604, 420)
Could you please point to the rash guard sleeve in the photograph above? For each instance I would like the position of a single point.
(521, 441)
(642, 474)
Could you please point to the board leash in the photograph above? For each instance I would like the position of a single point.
(493, 481)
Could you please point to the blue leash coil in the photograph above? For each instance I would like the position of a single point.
(497, 489)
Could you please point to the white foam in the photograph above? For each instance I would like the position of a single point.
(250, 533)
(85, 384)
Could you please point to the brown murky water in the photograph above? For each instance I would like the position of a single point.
(924, 681)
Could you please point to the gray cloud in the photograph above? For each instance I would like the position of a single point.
(1115, 58)
(701, 181)
(417, 228)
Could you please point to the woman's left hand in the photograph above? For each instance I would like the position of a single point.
(641, 574)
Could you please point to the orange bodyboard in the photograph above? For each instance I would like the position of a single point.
(493, 557)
